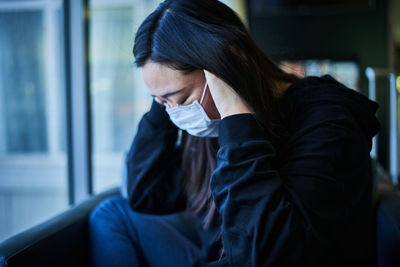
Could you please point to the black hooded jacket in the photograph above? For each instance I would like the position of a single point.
(305, 200)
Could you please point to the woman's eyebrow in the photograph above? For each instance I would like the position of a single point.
(170, 94)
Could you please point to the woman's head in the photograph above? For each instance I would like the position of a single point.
(189, 36)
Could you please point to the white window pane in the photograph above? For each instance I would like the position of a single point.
(33, 162)
(118, 95)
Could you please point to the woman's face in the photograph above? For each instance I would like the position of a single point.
(172, 87)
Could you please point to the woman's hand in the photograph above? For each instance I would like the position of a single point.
(227, 101)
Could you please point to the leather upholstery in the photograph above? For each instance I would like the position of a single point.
(60, 241)
(388, 229)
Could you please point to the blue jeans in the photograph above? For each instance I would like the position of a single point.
(120, 236)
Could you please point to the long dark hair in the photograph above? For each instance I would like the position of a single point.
(206, 34)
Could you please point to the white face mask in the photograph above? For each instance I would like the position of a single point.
(194, 119)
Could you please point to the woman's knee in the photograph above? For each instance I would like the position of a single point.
(110, 208)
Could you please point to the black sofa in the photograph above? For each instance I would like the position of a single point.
(388, 228)
(60, 241)
(63, 240)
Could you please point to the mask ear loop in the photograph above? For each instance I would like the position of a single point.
(204, 93)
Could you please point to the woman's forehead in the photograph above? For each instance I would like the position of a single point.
(161, 79)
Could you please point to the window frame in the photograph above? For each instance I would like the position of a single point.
(79, 148)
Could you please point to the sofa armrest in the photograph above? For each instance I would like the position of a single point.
(388, 228)
(59, 241)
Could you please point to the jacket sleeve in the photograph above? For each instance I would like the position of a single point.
(283, 219)
(153, 165)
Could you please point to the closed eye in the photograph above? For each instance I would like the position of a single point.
(182, 101)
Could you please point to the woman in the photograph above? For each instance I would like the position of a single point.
(260, 167)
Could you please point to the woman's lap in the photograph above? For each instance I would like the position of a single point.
(120, 236)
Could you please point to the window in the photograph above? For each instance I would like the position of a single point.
(118, 95)
(33, 162)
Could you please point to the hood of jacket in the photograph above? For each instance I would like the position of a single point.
(314, 90)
